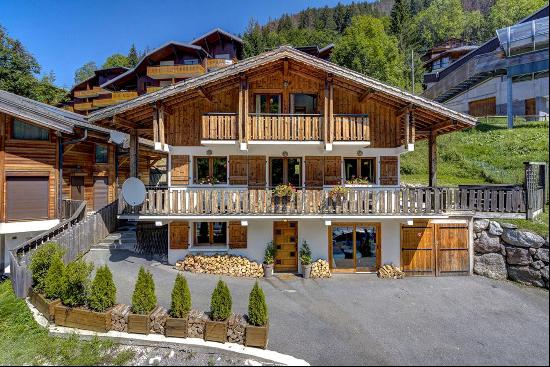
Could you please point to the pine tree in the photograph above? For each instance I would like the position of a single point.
(144, 299)
(257, 307)
(400, 15)
(55, 281)
(181, 298)
(133, 57)
(103, 290)
(220, 303)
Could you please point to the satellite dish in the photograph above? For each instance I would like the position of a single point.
(133, 191)
(117, 137)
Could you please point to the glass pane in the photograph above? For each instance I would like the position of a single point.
(220, 170)
(261, 103)
(202, 170)
(342, 248)
(219, 230)
(350, 168)
(367, 170)
(365, 253)
(203, 236)
(275, 104)
(276, 172)
(23, 130)
(294, 171)
(101, 155)
(304, 103)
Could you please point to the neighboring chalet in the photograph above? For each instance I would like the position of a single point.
(322, 53)
(235, 135)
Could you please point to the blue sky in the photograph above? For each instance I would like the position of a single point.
(63, 35)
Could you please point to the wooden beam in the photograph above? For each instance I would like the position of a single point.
(134, 154)
(432, 159)
(162, 136)
(326, 112)
(400, 112)
(117, 120)
(366, 95)
(442, 125)
(203, 93)
(406, 121)
(331, 110)
(155, 126)
(240, 117)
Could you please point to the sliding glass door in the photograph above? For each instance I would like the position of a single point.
(355, 247)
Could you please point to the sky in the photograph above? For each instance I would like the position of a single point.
(63, 35)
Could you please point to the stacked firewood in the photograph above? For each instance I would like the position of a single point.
(235, 329)
(157, 320)
(119, 318)
(390, 272)
(221, 265)
(196, 324)
(320, 269)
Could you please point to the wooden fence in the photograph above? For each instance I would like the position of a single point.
(289, 127)
(75, 235)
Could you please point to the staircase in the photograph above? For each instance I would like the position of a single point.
(124, 238)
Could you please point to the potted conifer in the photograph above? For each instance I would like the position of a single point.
(47, 271)
(258, 329)
(176, 323)
(220, 310)
(144, 301)
(269, 259)
(305, 260)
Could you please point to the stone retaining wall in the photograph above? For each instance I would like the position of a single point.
(504, 252)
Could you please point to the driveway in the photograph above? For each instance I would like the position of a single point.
(358, 319)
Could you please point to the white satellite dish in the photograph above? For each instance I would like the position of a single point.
(133, 191)
(117, 137)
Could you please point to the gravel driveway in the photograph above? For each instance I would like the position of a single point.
(358, 319)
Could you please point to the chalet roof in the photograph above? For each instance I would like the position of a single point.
(217, 30)
(113, 70)
(274, 55)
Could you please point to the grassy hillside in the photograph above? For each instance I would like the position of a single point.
(490, 153)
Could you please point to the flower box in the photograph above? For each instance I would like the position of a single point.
(82, 318)
(257, 336)
(138, 324)
(176, 327)
(216, 331)
(43, 305)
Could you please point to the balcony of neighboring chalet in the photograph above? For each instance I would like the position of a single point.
(175, 71)
(90, 93)
(116, 97)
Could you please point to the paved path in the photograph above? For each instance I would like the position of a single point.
(360, 319)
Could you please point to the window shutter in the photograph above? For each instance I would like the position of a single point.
(333, 170)
(256, 170)
(180, 170)
(238, 170)
(389, 171)
(314, 171)
(179, 235)
(27, 197)
(237, 235)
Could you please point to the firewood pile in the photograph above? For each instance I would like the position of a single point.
(221, 265)
(196, 324)
(390, 272)
(320, 269)
(158, 320)
(236, 327)
(119, 318)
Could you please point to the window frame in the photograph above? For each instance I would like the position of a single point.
(285, 170)
(210, 234)
(359, 168)
(12, 132)
(268, 104)
(210, 169)
(98, 145)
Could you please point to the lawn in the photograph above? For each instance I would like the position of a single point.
(24, 342)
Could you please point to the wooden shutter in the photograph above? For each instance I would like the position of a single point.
(389, 174)
(101, 192)
(180, 170)
(27, 197)
(238, 174)
(333, 171)
(237, 235)
(314, 171)
(256, 170)
(179, 235)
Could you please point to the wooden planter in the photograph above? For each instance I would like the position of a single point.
(215, 331)
(43, 305)
(256, 336)
(176, 327)
(139, 324)
(81, 318)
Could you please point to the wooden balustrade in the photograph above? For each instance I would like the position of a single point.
(218, 63)
(219, 126)
(174, 71)
(85, 106)
(286, 127)
(87, 93)
(351, 127)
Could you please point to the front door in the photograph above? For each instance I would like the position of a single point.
(285, 239)
(101, 192)
(354, 247)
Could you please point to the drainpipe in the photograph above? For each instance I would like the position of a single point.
(61, 145)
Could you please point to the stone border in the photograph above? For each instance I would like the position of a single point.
(158, 340)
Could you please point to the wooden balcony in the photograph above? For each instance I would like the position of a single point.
(85, 106)
(116, 97)
(284, 127)
(219, 126)
(89, 93)
(218, 63)
(151, 89)
(352, 128)
(174, 71)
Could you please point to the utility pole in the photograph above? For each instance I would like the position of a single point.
(412, 70)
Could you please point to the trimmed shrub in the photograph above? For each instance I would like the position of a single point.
(305, 254)
(270, 253)
(257, 307)
(41, 261)
(103, 290)
(220, 303)
(144, 299)
(77, 283)
(54, 281)
(181, 298)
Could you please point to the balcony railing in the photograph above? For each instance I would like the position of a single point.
(218, 63)
(151, 89)
(219, 126)
(351, 128)
(88, 93)
(85, 106)
(174, 71)
(285, 127)
(116, 97)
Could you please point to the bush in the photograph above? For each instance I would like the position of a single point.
(77, 283)
(270, 253)
(220, 304)
(257, 307)
(41, 261)
(103, 290)
(305, 254)
(144, 299)
(54, 281)
(181, 298)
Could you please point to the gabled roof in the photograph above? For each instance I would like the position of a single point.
(274, 55)
(113, 70)
(217, 30)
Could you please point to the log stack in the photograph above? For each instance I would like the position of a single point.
(237, 266)
(157, 320)
(119, 318)
(320, 269)
(196, 324)
(236, 328)
(390, 272)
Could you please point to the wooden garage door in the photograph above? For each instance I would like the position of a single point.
(417, 250)
(483, 107)
(101, 192)
(27, 197)
(452, 249)
(285, 239)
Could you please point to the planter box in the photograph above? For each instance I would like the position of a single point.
(43, 305)
(256, 336)
(216, 331)
(81, 318)
(176, 327)
(138, 324)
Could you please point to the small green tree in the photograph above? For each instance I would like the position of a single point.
(54, 281)
(144, 299)
(305, 254)
(41, 262)
(77, 283)
(220, 303)
(257, 307)
(270, 253)
(181, 298)
(103, 290)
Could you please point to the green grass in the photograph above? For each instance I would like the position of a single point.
(538, 225)
(24, 342)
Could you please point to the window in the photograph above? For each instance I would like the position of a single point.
(286, 171)
(210, 170)
(268, 103)
(360, 168)
(101, 153)
(25, 131)
(191, 62)
(223, 56)
(303, 103)
(210, 233)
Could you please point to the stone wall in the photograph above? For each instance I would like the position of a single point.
(504, 252)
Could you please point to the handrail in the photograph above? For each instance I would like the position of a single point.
(284, 114)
